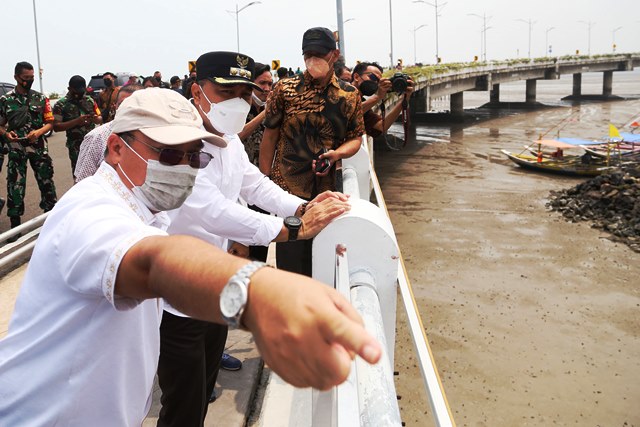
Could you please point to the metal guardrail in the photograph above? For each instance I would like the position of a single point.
(23, 246)
(435, 391)
(368, 397)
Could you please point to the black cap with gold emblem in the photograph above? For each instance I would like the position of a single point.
(226, 68)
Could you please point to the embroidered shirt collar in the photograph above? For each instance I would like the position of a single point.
(111, 177)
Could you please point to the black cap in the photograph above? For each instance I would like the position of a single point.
(318, 39)
(174, 79)
(226, 68)
(77, 82)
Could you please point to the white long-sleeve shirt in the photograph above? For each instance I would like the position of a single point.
(212, 212)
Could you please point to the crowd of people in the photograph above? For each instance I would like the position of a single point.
(159, 248)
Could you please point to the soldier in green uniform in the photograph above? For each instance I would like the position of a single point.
(77, 114)
(25, 116)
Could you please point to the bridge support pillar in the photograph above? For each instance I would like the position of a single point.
(456, 104)
(607, 83)
(531, 92)
(418, 102)
(577, 84)
(494, 94)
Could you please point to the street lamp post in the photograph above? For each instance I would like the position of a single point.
(435, 5)
(613, 43)
(391, 36)
(340, 27)
(483, 33)
(589, 24)
(415, 56)
(237, 12)
(530, 22)
(35, 22)
(546, 41)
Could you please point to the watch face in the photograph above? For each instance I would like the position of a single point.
(232, 299)
(293, 221)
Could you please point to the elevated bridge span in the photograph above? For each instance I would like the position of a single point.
(489, 77)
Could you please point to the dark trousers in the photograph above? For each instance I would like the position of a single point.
(294, 256)
(190, 354)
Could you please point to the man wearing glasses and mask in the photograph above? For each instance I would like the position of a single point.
(86, 320)
(77, 114)
(367, 78)
(25, 117)
(191, 349)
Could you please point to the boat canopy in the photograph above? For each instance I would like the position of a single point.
(625, 137)
(555, 143)
(579, 141)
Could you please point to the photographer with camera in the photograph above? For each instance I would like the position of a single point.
(367, 78)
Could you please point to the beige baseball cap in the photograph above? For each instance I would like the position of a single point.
(164, 116)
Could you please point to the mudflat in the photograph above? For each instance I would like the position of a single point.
(532, 320)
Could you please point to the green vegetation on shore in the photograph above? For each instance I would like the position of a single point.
(429, 71)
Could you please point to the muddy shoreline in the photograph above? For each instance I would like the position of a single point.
(532, 320)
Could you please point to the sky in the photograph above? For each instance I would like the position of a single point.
(142, 36)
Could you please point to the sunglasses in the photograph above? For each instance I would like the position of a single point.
(372, 77)
(172, 157)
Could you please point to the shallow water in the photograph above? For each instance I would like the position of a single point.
(532, 320)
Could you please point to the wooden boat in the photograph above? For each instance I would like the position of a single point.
(558, 162)
(570, 166)
(627, 144)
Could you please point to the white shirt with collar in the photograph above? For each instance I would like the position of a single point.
(76, 354)
(212, 212)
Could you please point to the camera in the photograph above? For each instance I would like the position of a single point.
(322, 164)
(399, 83)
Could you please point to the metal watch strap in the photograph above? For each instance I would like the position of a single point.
(243, 275)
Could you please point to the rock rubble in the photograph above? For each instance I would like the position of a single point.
(610, 202)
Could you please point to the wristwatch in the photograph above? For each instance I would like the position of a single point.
(293, 223)
(235, 294)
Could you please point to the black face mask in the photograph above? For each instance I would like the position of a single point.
(158, 79)
(368, 87)
(108, 83)
(26, 84)
(77, 94)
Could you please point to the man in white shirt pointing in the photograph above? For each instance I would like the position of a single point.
(85, 324)
(191, 349)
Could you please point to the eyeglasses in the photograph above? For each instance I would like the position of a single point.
(172, 157)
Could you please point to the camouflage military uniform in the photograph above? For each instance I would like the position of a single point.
(67, 109)
(22, 114)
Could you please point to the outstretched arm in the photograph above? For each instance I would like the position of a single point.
(305, 331)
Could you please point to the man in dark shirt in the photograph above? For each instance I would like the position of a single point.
(309, 117)
(367, 77)
(77, 114)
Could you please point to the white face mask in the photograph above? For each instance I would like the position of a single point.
(227, 117)
(259, 102)
(165, 187)
(317, 67)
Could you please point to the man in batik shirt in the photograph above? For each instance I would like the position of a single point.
(309, 117)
